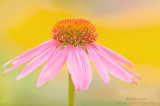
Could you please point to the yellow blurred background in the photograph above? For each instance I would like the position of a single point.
(129, 27)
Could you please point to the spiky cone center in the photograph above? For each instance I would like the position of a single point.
(74, 32)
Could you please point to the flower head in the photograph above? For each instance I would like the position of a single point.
(74, 41)
(74, 32)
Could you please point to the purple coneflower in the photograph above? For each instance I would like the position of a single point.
(73, 41)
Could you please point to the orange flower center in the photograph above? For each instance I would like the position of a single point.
(75, 32)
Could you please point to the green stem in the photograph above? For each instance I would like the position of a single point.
(71, 91)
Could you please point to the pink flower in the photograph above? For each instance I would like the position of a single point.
(74, 41)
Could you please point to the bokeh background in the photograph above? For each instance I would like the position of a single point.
(129, 27)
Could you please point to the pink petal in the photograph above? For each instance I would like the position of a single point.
(35, 63)
(29, 56)
(53, 55)
(130, 72)
(74, 68)
(35, 51)
(104, 51)
(86, 67)
(113, 67)
(113, 54)
(79, 68)
(54, 66)
(99, 64)
(7, 63)
(118, 67)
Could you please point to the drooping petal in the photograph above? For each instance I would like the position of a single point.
(53, 55)
(118, 67)
(74, 68)
(35, 51)
(35, 63)
(79, 68)
(29, 56)
(53, 67)
(7, 63)
(86, 67)
(113, 54)
(109, 53)
(100, 65)
(130, 72)
(113, 67)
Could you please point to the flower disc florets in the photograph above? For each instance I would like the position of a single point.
(74, 32)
